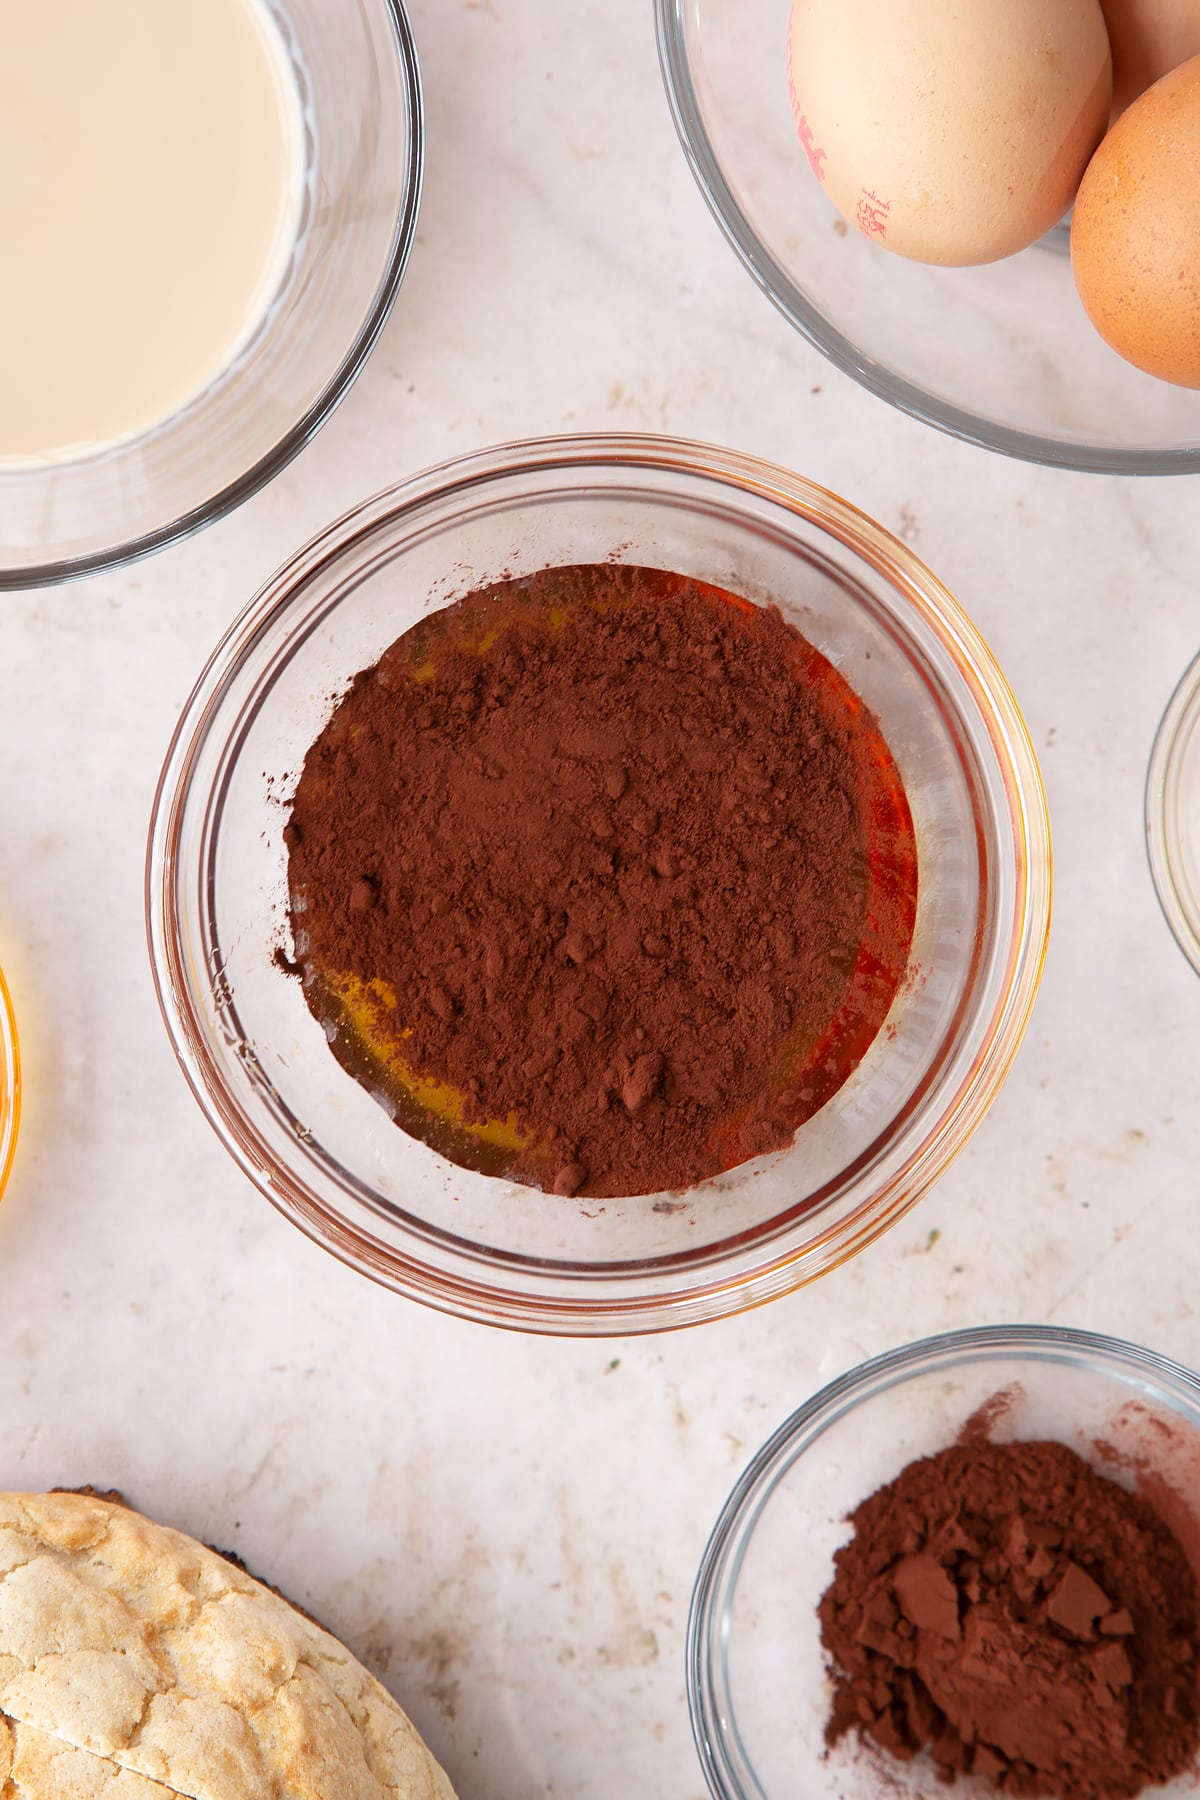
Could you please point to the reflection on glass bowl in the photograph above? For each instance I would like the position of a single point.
(314, 1139)
(10, 1084)
(1173, 814)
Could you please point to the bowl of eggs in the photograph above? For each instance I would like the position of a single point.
(199, 256)
(985, 216)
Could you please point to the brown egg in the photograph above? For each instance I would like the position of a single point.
(1149, 38)
(1135, 236)
(949, 133)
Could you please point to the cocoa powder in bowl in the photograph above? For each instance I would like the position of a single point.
(603, 879)
(1014, 1614)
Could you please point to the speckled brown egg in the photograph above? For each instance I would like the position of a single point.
(1135, 237)
(951, 134)
(1149, 38)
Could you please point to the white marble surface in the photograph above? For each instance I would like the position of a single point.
(507, 1528)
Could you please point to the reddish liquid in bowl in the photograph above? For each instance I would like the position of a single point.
(603, 880)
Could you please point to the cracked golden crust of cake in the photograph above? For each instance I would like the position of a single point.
(135, 1663)
(34, 1766)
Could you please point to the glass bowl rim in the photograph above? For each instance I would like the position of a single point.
(336, 387)
(906, 396)
(729, 1540)
(10, 1083)
(581, 1307)
(1162, 835)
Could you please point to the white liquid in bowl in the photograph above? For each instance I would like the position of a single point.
(151, 171)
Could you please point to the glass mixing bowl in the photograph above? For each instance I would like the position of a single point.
(314, 1140)
(1001, 355)
(757, 1684)
(356, 70)
(10, 1084)
(1173, 814)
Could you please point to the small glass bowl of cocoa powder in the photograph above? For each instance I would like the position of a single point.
(762, 1682)
(225, 936)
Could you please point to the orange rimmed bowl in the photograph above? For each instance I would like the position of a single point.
(10, 1084)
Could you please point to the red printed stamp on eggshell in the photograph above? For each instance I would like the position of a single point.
(872, 214)
(816, 156)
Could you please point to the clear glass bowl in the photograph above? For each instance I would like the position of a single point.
(1173, 814)
(315, 1141)
(356, 69)
(10, 1084)
(1001, 355)
(757, 1684)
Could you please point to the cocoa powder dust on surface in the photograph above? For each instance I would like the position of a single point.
(604, 878)
(1021, 1618)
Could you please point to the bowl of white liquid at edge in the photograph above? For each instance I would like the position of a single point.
(207, 211)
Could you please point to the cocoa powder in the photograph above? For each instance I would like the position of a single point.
(604, 879)
(1021, 1618)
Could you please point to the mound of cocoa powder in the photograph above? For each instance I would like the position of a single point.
(1023, 1619)
(609, 857)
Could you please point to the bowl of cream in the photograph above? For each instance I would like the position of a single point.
(208, 212)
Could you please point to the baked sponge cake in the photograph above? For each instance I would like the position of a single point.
(135, 1663)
